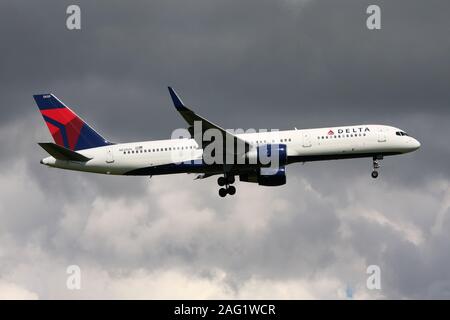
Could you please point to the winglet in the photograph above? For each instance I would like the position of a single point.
(176, 100)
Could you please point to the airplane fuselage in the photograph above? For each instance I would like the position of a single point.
(184, 155)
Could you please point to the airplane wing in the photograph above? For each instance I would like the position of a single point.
(191, 117)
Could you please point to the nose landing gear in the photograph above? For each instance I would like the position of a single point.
(226, 181)
(376, 166)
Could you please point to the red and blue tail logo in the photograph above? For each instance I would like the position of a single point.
(68, 130)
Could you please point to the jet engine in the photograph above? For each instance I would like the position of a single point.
(266, 177)
(268, 155)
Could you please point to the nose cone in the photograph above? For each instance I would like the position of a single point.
(415, 144)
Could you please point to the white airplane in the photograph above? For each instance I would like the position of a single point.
(79, 147)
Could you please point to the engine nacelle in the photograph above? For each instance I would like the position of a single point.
(268, 155)
(266, 177)
(272, 177)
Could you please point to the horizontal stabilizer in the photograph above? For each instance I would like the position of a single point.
(62, 153)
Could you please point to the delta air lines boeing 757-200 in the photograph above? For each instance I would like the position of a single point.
(255, 157)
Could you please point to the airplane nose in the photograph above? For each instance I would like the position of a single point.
(415, 144)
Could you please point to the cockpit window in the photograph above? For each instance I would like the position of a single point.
(401, 133)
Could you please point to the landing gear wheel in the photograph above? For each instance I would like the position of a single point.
(376, 165)
(221, 181)
(226, 182)
(222, 192)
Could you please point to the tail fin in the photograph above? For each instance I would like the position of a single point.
(68, 130)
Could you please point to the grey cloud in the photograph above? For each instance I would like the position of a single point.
(241, 64)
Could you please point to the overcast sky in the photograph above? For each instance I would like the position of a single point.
(242, 64)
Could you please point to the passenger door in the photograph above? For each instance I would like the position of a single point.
(381, 136)
(109, 155)
(306, 140)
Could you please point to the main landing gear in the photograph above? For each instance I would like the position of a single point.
(226, 182)
(376, 166)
